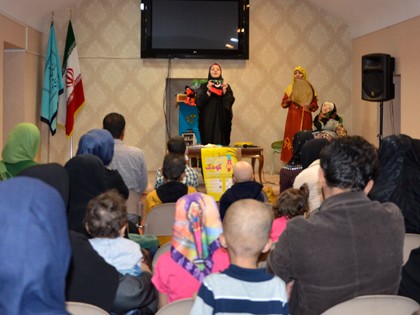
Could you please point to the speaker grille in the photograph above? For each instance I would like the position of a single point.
(377, 77)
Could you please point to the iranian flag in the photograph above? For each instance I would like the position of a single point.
(73, 98)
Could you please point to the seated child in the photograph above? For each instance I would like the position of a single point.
(195, 249)
(291, 203)
(244, 186)
(243, 288)
(106, 222)
(173, 170)
(177, 145)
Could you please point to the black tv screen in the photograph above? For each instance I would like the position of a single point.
(196, 29)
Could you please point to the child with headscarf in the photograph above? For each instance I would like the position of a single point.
(299, 116)
(214, 101)
(195, 249)
(20, 150)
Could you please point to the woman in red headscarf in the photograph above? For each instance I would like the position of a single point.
(299, 116)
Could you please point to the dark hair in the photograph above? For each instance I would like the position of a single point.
(106, 214)
(176, 145)
(292, 202)
(349, 163)
(173, 166)
(115, 124)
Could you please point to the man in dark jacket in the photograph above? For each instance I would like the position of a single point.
(244, 187)
(351, 246)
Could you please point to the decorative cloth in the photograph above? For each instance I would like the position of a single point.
(196, 234)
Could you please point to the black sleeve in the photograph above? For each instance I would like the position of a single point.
(136, 293)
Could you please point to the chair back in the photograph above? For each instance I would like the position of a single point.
(375, 305)
(163, 249)
(178, 307)
(79, 308)
(411, 241)
(160, 221)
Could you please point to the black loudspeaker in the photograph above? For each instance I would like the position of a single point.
(377, 77)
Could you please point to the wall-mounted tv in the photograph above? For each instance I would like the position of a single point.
(195, 29)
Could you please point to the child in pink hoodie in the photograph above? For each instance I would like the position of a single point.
(291, 203)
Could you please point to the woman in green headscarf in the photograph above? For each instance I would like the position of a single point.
(20, 150)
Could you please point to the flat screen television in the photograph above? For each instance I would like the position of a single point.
(195, 29)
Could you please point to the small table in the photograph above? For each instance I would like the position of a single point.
(254, 153)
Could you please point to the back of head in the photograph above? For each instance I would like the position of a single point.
(22, 143)
(87, 180)
(173, 166)
(299, 139)
(176, 145)
(115, 124)
(247, 226)
(98, 142)
(37, 285)
(106, 215)
(52, 174)
(398, 176)
(196, 232)
(243, 172)
(292, 202)
(349, 162)
(311, 151)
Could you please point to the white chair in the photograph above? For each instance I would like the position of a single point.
(179, 307)
(160, 221)
(375, 305)
(79, 308)
(163, 249)
(411, 241)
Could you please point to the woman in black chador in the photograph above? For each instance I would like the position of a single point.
(215, 100)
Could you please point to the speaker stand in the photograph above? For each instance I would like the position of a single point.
(381, 121)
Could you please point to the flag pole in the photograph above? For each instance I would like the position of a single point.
(71, 146)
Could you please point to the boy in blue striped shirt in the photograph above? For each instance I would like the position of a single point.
(243, 288)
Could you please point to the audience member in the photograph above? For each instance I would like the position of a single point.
(106, 222)
(291, 203)
(294, 166)
(177, 145)
(87, 180)
(397, 182)
(20, 150)
(129, 161)
(311, 151)
(195, 249)
(243, 288)
(100, 142)
(34, 261)
(243, 187)
(327, 118)
(52, 174)
(92, 280)
(352, 246)
(173, 170)
(410, 277)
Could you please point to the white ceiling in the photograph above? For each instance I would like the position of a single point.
(362, 16)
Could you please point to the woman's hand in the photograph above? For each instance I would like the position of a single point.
(224, 87)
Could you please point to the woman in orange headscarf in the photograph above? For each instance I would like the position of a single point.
(299, 116)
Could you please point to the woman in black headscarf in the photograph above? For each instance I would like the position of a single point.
(398, 178)
(215, 100)
(294, 166)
